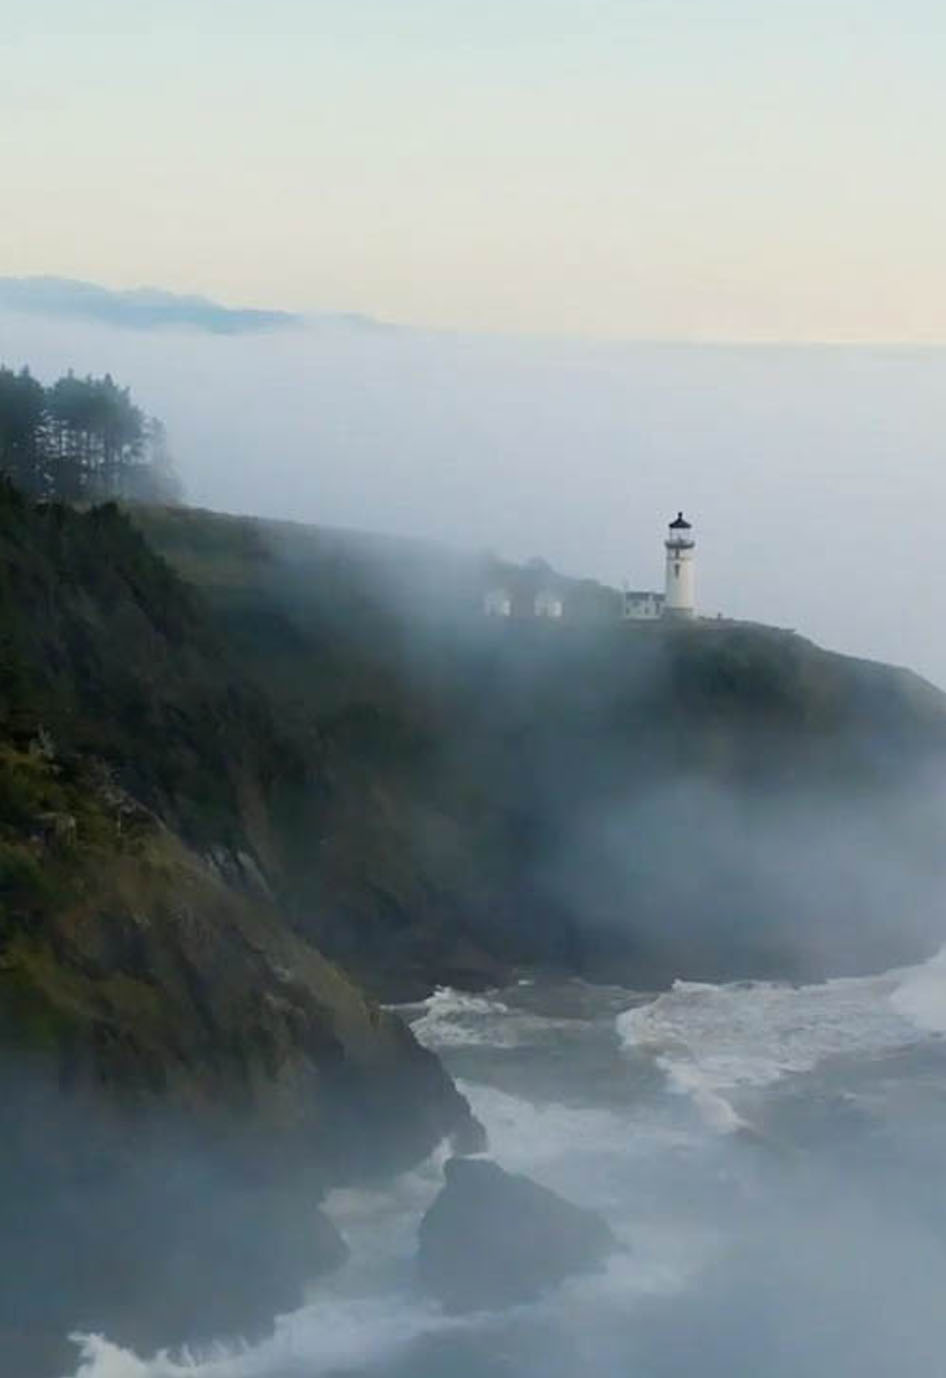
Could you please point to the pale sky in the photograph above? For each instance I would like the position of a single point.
(692, 169)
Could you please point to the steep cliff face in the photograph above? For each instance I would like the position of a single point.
(182, 1075)
(139, 972)
(182, 1080)
(143, 784)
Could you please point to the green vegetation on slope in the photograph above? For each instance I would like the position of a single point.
(107, 650)
(136, 769)
(172, 1055)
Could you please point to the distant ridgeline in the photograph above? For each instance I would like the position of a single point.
(81, 438)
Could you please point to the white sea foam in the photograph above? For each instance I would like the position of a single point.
(527, 1136)
(333, 1335)
(921, 997)
(710, 1040)
(456, 1019)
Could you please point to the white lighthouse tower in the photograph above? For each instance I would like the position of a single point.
(678, 598)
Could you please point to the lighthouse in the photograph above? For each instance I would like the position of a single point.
(678, 598)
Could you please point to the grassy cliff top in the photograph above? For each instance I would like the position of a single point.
(498, 793)
(416, 608)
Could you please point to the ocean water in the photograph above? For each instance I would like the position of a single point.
(772, 1156)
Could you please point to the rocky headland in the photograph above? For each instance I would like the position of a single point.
(255, 778)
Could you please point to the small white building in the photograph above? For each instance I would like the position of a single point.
(548, 604)
(497, 602)
(642, 605)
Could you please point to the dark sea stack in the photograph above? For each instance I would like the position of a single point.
(492, 1239)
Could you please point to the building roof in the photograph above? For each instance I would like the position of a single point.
(681, 523)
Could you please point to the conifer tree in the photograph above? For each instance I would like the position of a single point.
(82, 439)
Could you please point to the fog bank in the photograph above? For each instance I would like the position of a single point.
(814, 473)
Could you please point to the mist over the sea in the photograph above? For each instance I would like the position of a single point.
(768, 1154)
(815, 474)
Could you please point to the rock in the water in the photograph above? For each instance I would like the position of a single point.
(492, 1239)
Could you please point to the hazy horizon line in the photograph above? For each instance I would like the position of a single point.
(149, 307)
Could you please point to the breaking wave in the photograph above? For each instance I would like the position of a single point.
(455, 1019)
(710, 1040)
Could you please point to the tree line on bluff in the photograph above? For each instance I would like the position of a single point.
(81, 438)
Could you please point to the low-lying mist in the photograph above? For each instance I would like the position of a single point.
(814, 473)
(704, 882)
(632, 803)
(153, 1224)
